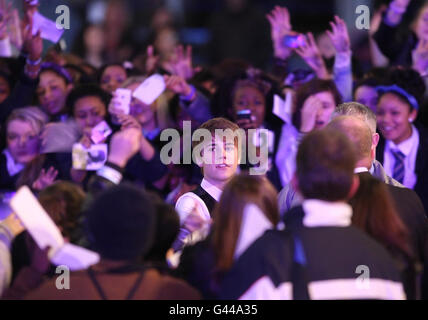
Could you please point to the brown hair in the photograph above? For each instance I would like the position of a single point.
(313, 87)
(216, 124)
(63, 202)
(240, 191)
(375, 213)
(325, 165)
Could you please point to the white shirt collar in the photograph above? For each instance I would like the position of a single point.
(319, 213)
(361, 169)
(12, 166)
(406, 146)
(212, 190)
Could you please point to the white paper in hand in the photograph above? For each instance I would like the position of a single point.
(35, 219)
(280, 108)
(74, 257)
(100, 132)
(254, 224)
(150, 89)
(90, 159)
(48, 28)
(46, 234)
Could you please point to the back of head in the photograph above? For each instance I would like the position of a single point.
(121, 223)
(358, 132)
(63, 202)
(243, 189)
(357, 110)
(325, 165)
(167, 229)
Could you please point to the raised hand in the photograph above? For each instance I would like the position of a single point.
(194, 221)
(279, 19)
(127, 121)
(177, 84)
(310, 52)
(395, 11)
(182, 64)
(339, 35)
(420, 57)
(13, 224)
(16, 30)
(5, 18)
(151, 60)
(309, 114)
(45, 179)
(32, 44)
(123, 145)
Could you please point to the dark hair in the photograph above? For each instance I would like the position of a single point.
(120, 223)
(129, 71)
(375, 213)
(63, 202)
(241, 190)
(78, 74)
(166, 231)
(407, 79)
(313, 87)
(325, 165)
(87, 90)
(58, 70)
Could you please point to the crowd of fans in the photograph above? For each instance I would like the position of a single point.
(346, 183)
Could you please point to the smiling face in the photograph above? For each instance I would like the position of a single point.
(112, 78)
(393, 115)
(22, 141)
(52, 92)
(89, 111)
(325, 112)
(222, 158)
(250, 98)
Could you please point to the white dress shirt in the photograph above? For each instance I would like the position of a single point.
(409, 148)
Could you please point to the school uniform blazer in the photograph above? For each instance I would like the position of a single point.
(421, 168)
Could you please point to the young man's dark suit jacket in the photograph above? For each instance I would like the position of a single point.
(421, 169)
(411, 211)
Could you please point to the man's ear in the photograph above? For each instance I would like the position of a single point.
(354, 187)
(375, 139)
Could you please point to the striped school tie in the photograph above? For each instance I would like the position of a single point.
(398, 172)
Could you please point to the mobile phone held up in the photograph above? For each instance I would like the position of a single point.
(243, 114)
(294, 41)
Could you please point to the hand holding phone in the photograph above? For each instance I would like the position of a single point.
(294, 41)
(243, 114)
(122, 100)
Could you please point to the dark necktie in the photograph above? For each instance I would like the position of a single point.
(398, 172)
